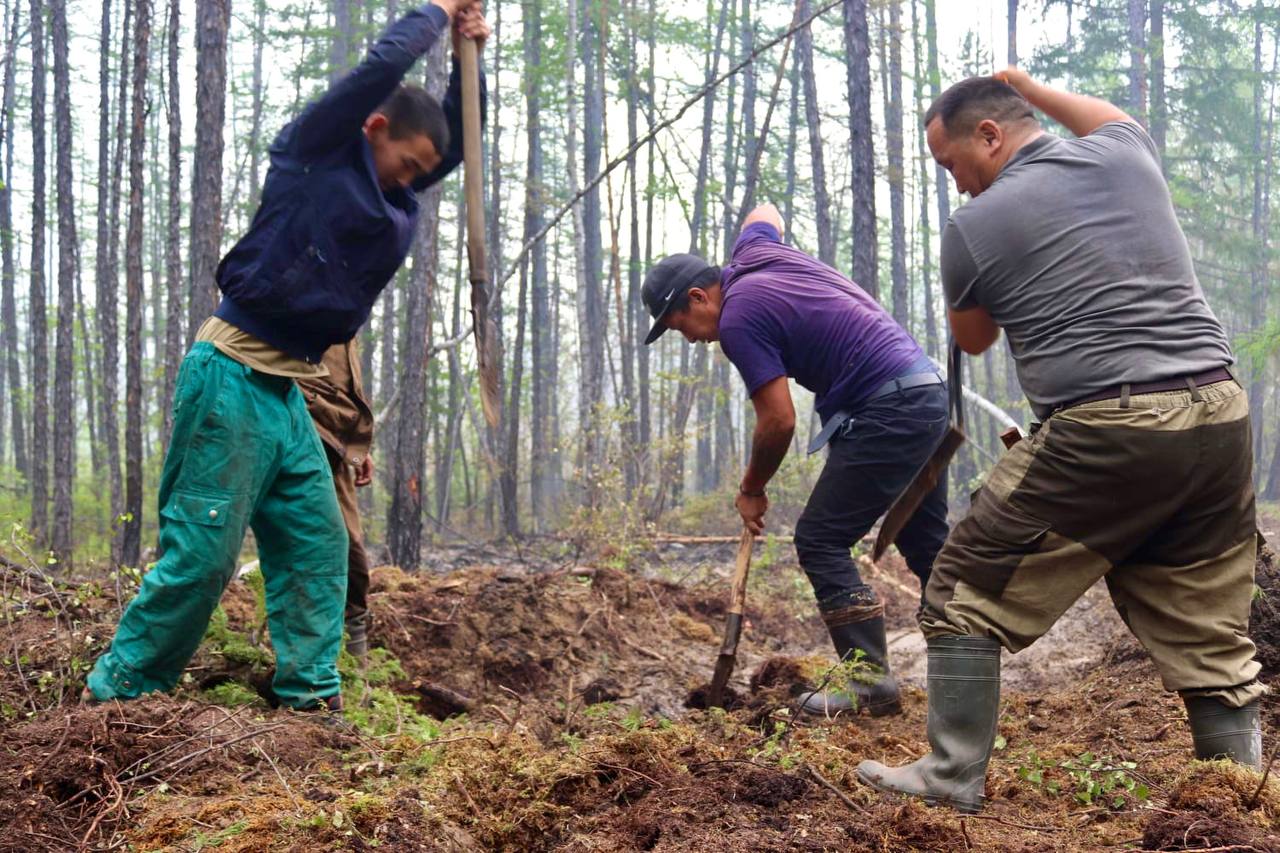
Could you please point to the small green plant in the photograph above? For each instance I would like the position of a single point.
(1104, 781)
(633, 721)
(204, 841)
(233, 694)
(236, 647)
(1033, 771)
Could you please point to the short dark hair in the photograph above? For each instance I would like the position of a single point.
(976, 99)
(711, 279)
(410, 111)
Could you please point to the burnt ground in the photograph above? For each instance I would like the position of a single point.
(544, 705)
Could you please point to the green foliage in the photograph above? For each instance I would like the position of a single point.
(1090, 779)
(373, 706)
(204, 841)
(222, 639)
(233, 694)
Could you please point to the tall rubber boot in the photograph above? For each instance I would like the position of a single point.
(858, 627)
(358, 637)
(1220, 731)
(964, 705)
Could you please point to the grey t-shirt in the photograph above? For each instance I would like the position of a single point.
(1075, 252)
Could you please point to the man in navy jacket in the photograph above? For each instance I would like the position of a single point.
(338, 214)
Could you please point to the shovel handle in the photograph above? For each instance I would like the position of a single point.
(738, 592)
(473, 175)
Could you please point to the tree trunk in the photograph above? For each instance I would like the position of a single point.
(64, 418)
(340, 45)
(793, 122)
(212, 20)
(131, 549)
(1013, 32)
(897, 176)
(922, 181)
(36, 311)
(861, 145)
(1159, 103)
(1258, 266)
(697, 225)
(510, 482)
(542, 352)
(935, 89)
(255, 120)
(591, 297)
(8, 274)
(493, 246)
(631, 309)
(407, 462)
(1138, 60)
(173, 330)
(817, 159)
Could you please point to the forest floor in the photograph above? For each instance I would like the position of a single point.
(526, 704)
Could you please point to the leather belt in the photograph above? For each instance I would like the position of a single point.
(902, 383)
(1125, 391)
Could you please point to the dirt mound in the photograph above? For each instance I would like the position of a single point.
(493, 639)
(1264, 617)
(1216, 805)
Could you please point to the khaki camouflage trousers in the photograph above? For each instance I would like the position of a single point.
(1156, 497)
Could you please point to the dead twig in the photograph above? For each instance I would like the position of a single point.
(1262, 783)
(964, 832)
(822, 780)
(627, 641)
(1014, 823)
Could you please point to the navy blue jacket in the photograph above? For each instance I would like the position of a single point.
(326, 238)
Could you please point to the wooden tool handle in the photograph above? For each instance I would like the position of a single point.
(473, 177)
(738, 593)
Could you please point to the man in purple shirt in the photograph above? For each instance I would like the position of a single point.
(780, 313)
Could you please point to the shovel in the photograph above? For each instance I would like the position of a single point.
(926, 479)
(733, 623)
(486, 331)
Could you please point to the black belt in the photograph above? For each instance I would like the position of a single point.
(902, 383)
(1129, 389)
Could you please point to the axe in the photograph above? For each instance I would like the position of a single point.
(473, 185)
(926, 479)
(733, 623)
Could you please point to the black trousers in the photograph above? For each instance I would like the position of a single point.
(869, 462)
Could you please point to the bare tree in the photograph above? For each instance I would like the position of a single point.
(897, 170)
(8, 276)
(1159, 104)
(64, 456)
(1013, 32)
(817, 158)
(173, 329)
(131, 545)
(1138, 60)
(212, 20)
(861, 145)
(36, 310)
(407, 462)
(922, 181)
(542, 353)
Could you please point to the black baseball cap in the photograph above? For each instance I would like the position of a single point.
(670, 277)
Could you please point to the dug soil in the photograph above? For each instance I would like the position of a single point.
(562, 707)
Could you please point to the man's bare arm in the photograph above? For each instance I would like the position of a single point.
(775, 425)
(765, 213)
(1081, 114)
(973, 328)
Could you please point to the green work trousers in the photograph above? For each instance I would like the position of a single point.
(243, 454)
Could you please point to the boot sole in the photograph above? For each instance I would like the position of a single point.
(929, 799)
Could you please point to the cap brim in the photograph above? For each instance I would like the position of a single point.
(656, 332)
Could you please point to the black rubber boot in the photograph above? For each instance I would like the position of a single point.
(1220, 731)
(358, 637)
(964, 704)
(859, 626)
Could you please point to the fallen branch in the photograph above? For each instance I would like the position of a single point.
(822, 780)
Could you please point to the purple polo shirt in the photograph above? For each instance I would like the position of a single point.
(788, 314)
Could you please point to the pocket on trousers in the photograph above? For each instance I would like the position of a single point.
(996, 537)
(192, 508)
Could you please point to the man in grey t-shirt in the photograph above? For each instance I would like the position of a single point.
(1141, 470)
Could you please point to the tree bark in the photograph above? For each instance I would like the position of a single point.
(64, 419)
(173, 330)
(1013, 32)
(897, 176)
(542, 353)
(922, 180)
(212, 20)
(935, 89)
(861, 145)
(1138, 60)
(817, 159)
(698, 241)
(1159, 103)
(8, 274)
(36, 310)
(408, 459)
(131, 548)
(1258, 266)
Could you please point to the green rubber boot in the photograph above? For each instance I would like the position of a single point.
(964, 705)
(1219, 731)
(879, 698)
